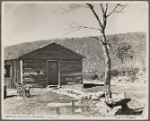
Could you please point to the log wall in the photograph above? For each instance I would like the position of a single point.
(71, 71)
(35, 72)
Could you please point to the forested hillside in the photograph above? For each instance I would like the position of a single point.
(127, 50)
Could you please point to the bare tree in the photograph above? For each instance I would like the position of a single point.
(118, 8)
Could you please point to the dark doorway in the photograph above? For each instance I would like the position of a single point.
(52, 73)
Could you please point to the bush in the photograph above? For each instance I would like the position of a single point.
(130, 72)
(114, 72)
(102, 75)
(95, 77)
(90, 76)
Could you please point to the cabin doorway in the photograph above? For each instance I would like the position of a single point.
(52, 73)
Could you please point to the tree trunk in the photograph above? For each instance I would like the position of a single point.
(107, 68)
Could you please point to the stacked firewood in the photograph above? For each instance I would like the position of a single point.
(23, 90)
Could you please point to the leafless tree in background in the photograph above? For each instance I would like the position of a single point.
(118, 8)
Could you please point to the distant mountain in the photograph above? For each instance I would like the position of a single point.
(91, 48)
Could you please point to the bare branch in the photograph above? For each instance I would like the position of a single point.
(106, 8)
(104, 16)
(123, 7)
(77, 26)
(70, 32)
(113, 10)
(74, 27)
(86, 27)
(95, 14)
(73, 7)
(117, 11)
(102, 8)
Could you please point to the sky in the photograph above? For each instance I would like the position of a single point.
(33, 21)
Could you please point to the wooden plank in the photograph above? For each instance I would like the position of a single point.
(59, 79)
(15, 71)
(81, 72)
(13, 74)
(73, 106)
(21, 71)
(58, 110)
(18, 70)
(39, 68)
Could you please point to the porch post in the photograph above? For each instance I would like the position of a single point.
(21, 71)
(82, 71)
(58, 74)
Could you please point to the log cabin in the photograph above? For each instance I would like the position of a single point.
(50, 64)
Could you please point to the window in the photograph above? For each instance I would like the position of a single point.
(7, 71)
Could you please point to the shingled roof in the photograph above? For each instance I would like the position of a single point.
(16, 51)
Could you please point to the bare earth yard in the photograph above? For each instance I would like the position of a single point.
(37, 104)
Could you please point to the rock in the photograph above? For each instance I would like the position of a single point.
(114, 110)
(103, 111)
(78, 103)
(58, 104)
(121, 95)
(89, 93)
(94, 97)
(99, 93)
(19, 98)
(114, 96)
(79, 110)
(101, 105)
(101, 99)
(78, 97)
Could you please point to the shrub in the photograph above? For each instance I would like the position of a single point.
(102, 75)
(95, 77)
(114, 72)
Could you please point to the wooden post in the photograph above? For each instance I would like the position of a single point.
(21, 71)
(58, 74)
(58, 110)
(15, 66)
(73, 106)
(81, 72)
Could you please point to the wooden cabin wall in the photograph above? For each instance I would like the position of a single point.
(35, 72)
(71, 71)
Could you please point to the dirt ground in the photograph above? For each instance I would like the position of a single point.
(37, 103)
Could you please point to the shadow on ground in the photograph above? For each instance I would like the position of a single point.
(11, 96)
(32, 96)
(128, 111)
